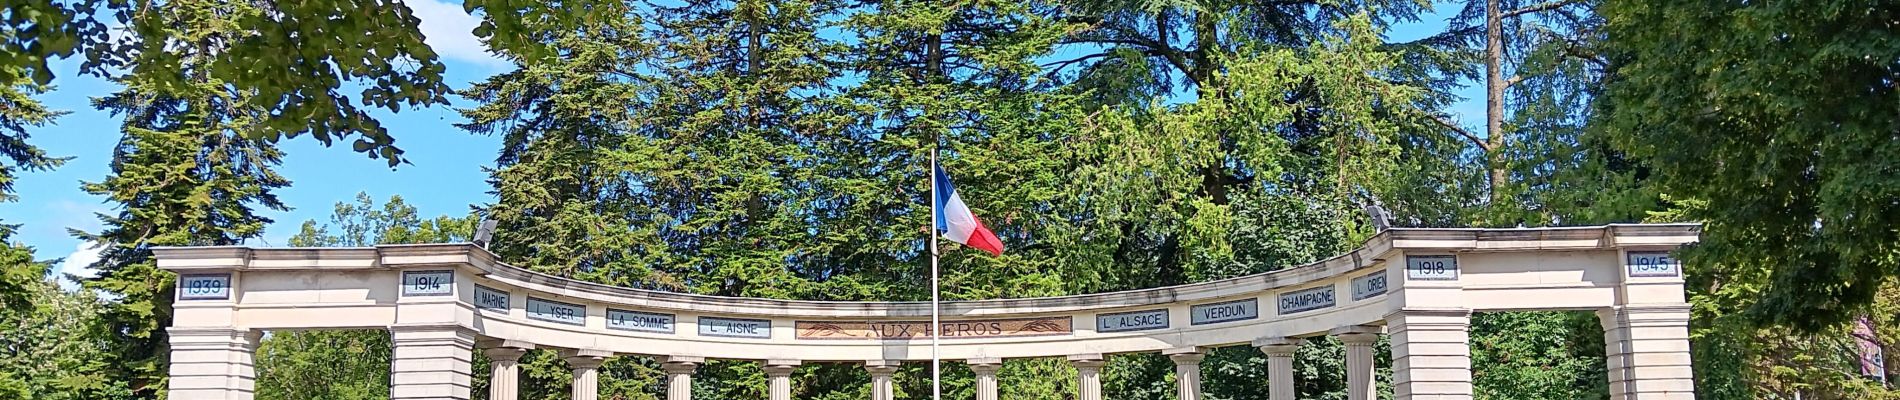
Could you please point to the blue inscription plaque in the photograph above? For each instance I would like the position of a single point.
(428, 283)
(1239, 310)
(639, 321)
(1431, 268)
(204, 287)
(735, 327)
(490, 299)
(1307, 300)
(554, 311)
(1369, 286)
(1653, 264)
(1132, 321)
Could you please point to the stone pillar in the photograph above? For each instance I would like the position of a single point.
(1280, 352)
(1187, 372)
(679, 376)
(881, 371)
(985, 370)
(1359, 365)
(586, 367)
(431, 362)
(1088, 373)
(213, 363)
(1647, 348)
(504, 357)
(778, 378)
(1431, 353)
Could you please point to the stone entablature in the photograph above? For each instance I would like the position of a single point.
(1415, 280)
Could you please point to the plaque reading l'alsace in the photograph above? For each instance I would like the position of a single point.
(959, 329)
(1132, 321)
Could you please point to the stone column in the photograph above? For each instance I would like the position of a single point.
(1647, 348)
(778, 378)
(1431, 353)
(679, 376)
(431, 362)
(985, 370)
(881, 371)
(504, 357)
(1088, 373)
(213, 363)
(1280, 352)
(1187, 372)
(586, 367)
(1359, 365)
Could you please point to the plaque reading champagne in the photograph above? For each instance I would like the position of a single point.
(952, 329)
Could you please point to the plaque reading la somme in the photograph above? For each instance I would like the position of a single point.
(554, 311)
(1366, 287)
(1132, 321)
(428, 283)
(1307, 300)
(735, 327)
(1239, 310)
(952, 329)
(639, 321)
(204, 287)
(490, 299)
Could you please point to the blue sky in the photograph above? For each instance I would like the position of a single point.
(445, 176)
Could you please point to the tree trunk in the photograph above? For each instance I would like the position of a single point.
(1494, 96)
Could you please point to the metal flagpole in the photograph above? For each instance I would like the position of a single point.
(936, 324)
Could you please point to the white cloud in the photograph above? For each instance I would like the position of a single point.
(450, 31)
(79, 263)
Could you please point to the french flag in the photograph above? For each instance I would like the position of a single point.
(957, 223)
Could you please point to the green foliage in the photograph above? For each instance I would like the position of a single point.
(1781, 120)
(1538, 355)
(57, 346)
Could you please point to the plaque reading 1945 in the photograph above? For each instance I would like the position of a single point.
(1239, 310)
(204, 287)
(1307, 300)
(1653, 264)
(735, 327)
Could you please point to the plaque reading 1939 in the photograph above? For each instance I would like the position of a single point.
(204, 287)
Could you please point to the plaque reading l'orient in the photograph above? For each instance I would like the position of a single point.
(957, 329)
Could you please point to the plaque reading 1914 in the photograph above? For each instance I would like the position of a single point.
(204, 287)
(952, 329)
(735, 327)
(1368, 286)
(490, 299)
(1132, 321)
(1307, 300)
(428, 283)
(639, 321)
(1239, 310)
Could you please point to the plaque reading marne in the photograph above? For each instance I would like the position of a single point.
(958, 329)
(490, 299)
(1239, 310)
(1132, 321)
(1365, 287)
(1307, 300)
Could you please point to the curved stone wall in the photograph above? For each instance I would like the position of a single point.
(1402, 281)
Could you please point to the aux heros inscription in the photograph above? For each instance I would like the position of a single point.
(905, 330)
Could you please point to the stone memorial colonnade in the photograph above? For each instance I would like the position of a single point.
(442, 303)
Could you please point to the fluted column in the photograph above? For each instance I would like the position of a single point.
(1187, 372)
(1280, 352)
(881, 371)
(1647, 349)
(985, 370)
(1088, 373)
(504, 357)
(586, 367)
(213, 363)
(1359, 363)
(679, 376)
(1431, 353)
(778, 378)
(431, 361)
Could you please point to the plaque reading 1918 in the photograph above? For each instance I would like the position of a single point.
(1239, 310)
(639, 321)
(1653, 264)
(428, 283)
(490, 299)
(554, 311)
(1132, 321)
(1307, 300)
(735, 327)
(1368, 286)
(204, 287)
(1431, 268)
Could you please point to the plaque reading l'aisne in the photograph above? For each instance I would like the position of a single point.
(957, 329)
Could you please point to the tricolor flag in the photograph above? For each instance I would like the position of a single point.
(957, 223)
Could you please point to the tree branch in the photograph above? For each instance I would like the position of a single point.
(1453, 126)
(1513, 80)
(1538, 7)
